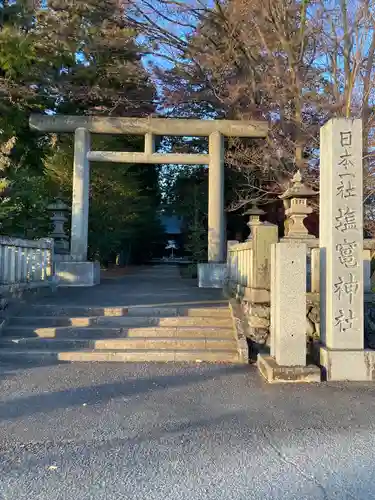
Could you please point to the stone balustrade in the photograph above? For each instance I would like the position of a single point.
(315, 270)
(239, 268)
(313, 264)
(25, 263)
(246, 276)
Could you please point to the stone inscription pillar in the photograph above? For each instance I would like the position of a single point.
(216, 229)
(80, 201)
(341, 235)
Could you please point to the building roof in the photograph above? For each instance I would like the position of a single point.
(172, 224)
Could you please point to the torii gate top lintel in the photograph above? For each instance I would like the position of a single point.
(155, 126)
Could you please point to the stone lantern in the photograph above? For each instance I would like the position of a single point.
(254, 214)
(58, 218)
(295, 201)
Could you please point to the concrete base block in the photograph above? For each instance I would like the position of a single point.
(345, 365)
(77, 273)
(212, 275)
(275, 373)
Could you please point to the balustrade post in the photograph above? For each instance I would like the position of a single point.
(6, 257)
(367, 271)
(19, 265)
(315, 270)
(263, 236)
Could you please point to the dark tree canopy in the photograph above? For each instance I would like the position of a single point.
(74, 58)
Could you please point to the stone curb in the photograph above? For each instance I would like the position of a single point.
(243, 348)
(276, 374)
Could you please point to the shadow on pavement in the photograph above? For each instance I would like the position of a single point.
(50, 401)
(11, 368)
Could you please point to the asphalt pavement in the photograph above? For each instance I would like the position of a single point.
(163, 432)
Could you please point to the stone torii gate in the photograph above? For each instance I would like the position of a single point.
(78, 271)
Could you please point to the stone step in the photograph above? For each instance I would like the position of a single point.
(107, 332)
(135, 356)
(124, 344)
(79, 311)
(119, 321)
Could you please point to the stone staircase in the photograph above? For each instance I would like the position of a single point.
(123, 334)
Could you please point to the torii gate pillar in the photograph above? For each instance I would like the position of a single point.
(216, 229)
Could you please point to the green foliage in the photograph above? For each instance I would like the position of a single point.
(77, 58)
(26, 213)
(197, 241)
(123, 200)
(17, 53)
(190, 271)
(187, 196)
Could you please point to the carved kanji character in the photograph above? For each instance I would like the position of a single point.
(346, 220)
(346, 139)
(346, 159)
(344, 321)
(347, 287)
(347, 255)
(345, 189)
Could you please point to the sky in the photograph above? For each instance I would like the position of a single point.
(172, 27)
(177, 30)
